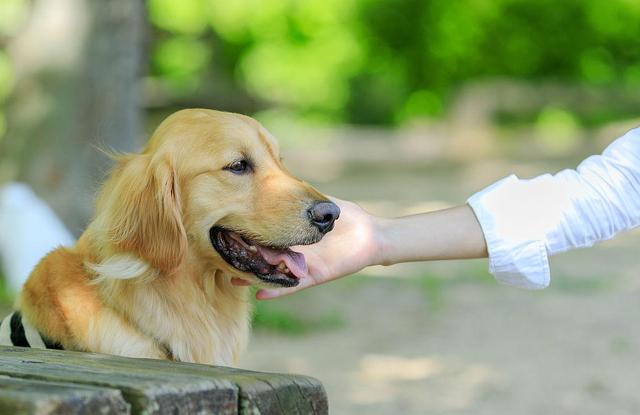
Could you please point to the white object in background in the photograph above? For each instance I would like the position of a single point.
(29, 229)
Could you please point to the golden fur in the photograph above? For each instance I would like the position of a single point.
(143, 280)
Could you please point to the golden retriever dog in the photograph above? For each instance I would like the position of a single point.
(206, 202)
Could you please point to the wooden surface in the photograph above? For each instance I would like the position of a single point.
(60, 382)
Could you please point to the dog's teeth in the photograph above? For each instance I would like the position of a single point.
(252, 248)
(283, 268)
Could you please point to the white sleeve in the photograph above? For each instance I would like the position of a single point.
(525, 221)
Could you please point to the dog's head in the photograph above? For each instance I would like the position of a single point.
(211, 186)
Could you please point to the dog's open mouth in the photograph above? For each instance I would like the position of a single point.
(273, 265)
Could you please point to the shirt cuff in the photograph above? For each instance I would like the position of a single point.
(517, 252)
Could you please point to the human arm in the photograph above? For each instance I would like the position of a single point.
(360, 239)
(519, 223)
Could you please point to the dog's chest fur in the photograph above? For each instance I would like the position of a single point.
(199, 321)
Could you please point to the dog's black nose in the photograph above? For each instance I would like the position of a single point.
(323, 215)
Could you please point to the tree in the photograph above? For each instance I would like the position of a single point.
(76, 90)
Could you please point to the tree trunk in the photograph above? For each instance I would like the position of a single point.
(78, 64)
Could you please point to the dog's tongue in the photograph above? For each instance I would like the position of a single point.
(293, 260)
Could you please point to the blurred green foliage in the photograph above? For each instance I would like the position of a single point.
(373, 61)
(6, 298)
(273, 317)
(387, 61)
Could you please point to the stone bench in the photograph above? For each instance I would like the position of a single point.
(34, 381)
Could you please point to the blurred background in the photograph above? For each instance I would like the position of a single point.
(401, 105)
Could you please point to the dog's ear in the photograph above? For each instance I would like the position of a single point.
(144, 216)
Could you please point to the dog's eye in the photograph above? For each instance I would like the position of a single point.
(238, 167)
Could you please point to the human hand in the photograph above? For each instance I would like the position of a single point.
(354, 243)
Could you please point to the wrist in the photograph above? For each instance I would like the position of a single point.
(381, 242)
